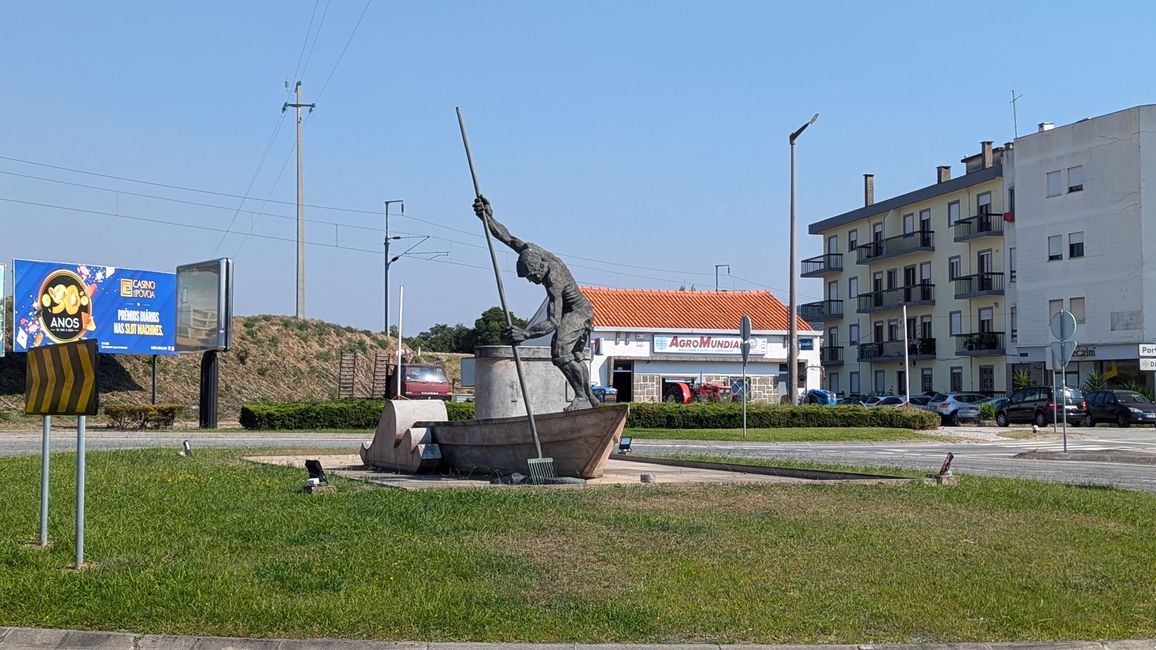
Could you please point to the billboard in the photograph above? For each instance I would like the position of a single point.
(205, 306)
(125, 310)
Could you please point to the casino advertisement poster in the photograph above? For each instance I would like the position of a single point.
(125, 310)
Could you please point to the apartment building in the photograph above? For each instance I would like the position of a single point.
(914, 286)
(1083, 223)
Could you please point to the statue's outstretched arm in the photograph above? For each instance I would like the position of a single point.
(485, 212)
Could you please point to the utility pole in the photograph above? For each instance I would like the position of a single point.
(300, 204)
(388, 261)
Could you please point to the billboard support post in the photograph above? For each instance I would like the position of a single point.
(80, 445)
(208, 404)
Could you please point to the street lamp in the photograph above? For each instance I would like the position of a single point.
(716, 268)
(387, 260)
(792, 341)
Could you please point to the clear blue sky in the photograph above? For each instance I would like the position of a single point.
(644, 142)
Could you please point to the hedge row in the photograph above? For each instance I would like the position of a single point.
(768, 416)
(140, 416)
(344, 414)
(364, 414)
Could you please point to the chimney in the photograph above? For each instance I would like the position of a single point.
(1046, 126)
(943, 173)
(986, 148)
(868, 189)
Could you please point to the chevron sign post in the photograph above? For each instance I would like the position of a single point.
(61, 380)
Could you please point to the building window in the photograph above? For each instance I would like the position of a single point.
(852, 241)
(1014, 332)
(1076, 306)
(983, 204)
(1011, 199)
(908, 223)
(1054, 307)
(853, 287)
(952, 213)
(1076, 244)
(956, 320)
(1055, 183)
(925, 380)
(893, 329)
(1076, 178)
(1011, 264)
(833, 382)
(833, 290)
(986, 319)
(901, 382)
(878, 327)
(833, 337)
(956, 378)
(880, 382)
(925, 220)
(853, 334)
(833, 244)
(1055, 247)
(853, 381)
(954, 268)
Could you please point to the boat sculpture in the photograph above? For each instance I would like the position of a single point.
(417, 437)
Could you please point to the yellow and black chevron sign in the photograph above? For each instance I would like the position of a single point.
(61, 379)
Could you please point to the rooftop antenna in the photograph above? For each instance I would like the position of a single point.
(1015, 122)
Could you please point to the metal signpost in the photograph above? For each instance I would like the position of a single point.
(745, 334)
(1063, 326)
(61, 380)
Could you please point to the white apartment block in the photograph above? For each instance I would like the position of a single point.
(914, 286)
(1061, 219)
(1082, 198)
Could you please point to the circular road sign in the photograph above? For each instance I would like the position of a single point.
(1063, 325)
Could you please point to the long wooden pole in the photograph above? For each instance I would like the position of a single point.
(501, 291)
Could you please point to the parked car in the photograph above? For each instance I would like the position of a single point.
(997, 402)
(947, 405)
(893, 401)
(920, 401)
(1040, 405)
(854, 399)
(605, 394)
(819, 396)
(1121, 407)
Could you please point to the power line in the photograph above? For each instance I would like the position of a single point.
(347, 42)
(316, 36)
(304, 43)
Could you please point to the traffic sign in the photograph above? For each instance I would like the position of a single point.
(1146, 349)
(61, 379)
(745, 334)
(738, 387)
(1061, 354)
(1147, 364)
(1063, 325)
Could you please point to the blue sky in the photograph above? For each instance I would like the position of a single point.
(644, 142)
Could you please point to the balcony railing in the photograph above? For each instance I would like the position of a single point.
(980, 284)
(912, 242)
(980, 344)
(817, 312)
(981, 225)
(922, 348)
(831, 355)
(920, 294)
(816, 266)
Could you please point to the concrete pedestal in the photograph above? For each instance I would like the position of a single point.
(497, 393)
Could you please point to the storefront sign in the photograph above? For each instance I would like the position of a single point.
(706, 344)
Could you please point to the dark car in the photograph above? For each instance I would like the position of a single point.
(605, 394)
(819, 396)
(1121, 407)
(1039, 405)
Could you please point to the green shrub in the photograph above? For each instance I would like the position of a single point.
(986, 411)
(336, 414)
(772, 416)
(141, 416)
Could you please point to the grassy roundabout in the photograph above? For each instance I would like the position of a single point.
(213, 545)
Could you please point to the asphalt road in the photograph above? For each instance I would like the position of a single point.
(1131, 463)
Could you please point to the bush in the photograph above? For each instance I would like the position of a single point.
(773, 416)
(338, 414)
(141, 416)
(986, 411)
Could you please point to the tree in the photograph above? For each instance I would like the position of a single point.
(488, 327)
(444, 338)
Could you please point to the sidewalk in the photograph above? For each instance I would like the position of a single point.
(29, 639)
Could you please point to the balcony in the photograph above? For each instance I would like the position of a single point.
(922, 348)
(981, 225)
(920, 241)
(831, 355)
(980, 284)
(824, 310)
(920, 294)
(815, 267)
(980, 344)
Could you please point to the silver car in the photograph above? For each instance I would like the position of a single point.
(947, 405)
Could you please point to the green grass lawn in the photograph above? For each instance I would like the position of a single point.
(817, 434)
(214, 545)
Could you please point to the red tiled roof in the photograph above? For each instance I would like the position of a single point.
(698, 310)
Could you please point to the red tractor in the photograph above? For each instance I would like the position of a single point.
(685, 391)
